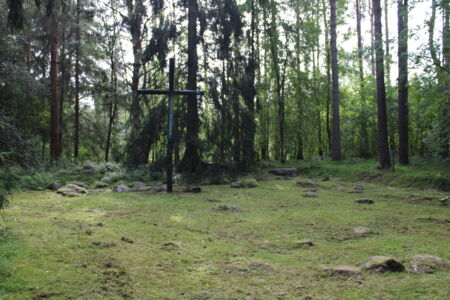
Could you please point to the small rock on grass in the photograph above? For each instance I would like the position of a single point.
(429, 264)
(54, 186)
(364, 201)
(381, 264)
(194, 189)
(445, 200)
(343, 270)
(362, 230)
(121, 188)
(72, 190)
(78, 183)
(304, 244)
(126, 240)
(227, 207)
(101, 184)
(160, 187)
(310, 195)
(140, 186)
(307, 184)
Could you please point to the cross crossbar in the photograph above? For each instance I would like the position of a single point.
(170, 92)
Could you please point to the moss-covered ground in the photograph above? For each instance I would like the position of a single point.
(157, 246)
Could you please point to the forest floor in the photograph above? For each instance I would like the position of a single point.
(223, 243)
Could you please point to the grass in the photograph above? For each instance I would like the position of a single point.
(180, 246)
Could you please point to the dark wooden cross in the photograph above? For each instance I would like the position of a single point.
(170, 92)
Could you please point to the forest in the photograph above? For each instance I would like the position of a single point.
(307, 143)
(283, 80)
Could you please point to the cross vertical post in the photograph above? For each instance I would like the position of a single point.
(170, 126)
(171, 92)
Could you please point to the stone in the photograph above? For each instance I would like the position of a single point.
(343, 270)
(310, 190)
(245, 183)
(304, 243)
(78, 183)
(100, 184)
(362, 230)
(444, 201)
(364, 201)
(227, 207)
(286, 172)
(310, 195)
(121, 188)
(54, 186)
(141, 187)
(307, 184)
(72, 190)
(429, 264)
(160, 187)
(381, 264)
(326, 178)
(89, 172)
(195, 189)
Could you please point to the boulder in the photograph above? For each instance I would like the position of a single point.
(245, 183)
(121, 188)
(381, 264)
(141, 187)
(364, 201)
(54, 186)
(160, 187)
(429, 264)
(445, 200)
(78, 183)
(287, 172)
(343, 270)
(72, 190)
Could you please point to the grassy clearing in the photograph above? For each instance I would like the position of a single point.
(180, 246)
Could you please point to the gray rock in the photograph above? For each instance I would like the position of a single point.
(245, 183)
(284, 171)
(343, 270)
(160, 187)
(72, 190)
(307, 184)
(121, 188)
(381, 264)
(445, 200)
(304, 243)
(54, 186)
(429, 264)
(362, 230)
(141, 187)
(310, 195)
(227, 207)
(364, 201)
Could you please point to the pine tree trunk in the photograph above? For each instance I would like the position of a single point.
(336, 138)
(383, 144)
(191, 159)
(54, 99)
(403, 130)
(76, 136)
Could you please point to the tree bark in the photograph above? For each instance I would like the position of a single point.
(54, 99)
(336, 138)
(403, 130)
(191, 158)
(76, 141)
(383, 144)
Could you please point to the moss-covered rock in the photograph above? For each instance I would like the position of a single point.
(383, 264)
(429, 264)
(245, 183)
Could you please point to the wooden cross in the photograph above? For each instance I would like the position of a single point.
(170, 92)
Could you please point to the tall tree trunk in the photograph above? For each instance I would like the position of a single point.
(54, 99)
(336, 137)
(383, 144)
(387, 43)
(62, 86)
(191, 159)
(372, 37)
(403, 130)
(328, 67)
(76, 136)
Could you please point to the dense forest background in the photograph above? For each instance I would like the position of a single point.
(283, 80)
